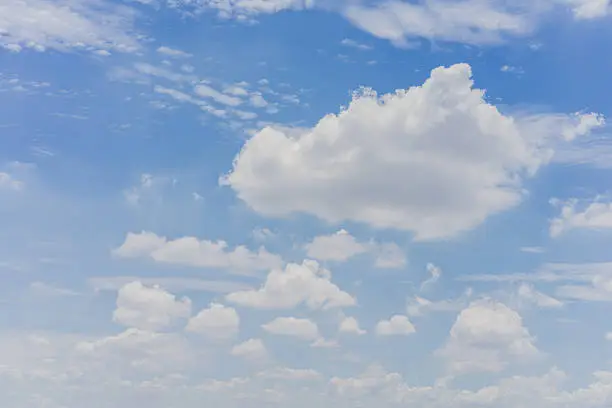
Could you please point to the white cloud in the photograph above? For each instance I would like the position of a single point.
(307, 283)
(419, 306)
(527, 293)
(434, 272)
(486, 336)
(590, 9)
(470, 21)
(172, 52)
(339, 246)
(596, 215)
(174, 284)
(350, 325)
(149, 308)
(398, 325)
(134, 350)
(347, 42)
(324, 343)
(206, 91)
(304, 329)
(284, 373)
(66, 25)
(160, 72)
(258, 101)
(217, 322)
(8, 182)
(533, 249)
(436, 160)
(247, 9)
(252, 349)
(190, 251)
(374, 378)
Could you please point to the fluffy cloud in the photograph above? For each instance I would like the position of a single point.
(190, 251)
(398, 325)
(65, 25)
(485, 337)
(217, 322)
(341, 246)
(304, 329)
(350, 325)
(307, 283)
(252, 349)
(436, 159)
(149, 308)
(596, 215)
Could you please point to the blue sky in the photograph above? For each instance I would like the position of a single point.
(270, 203)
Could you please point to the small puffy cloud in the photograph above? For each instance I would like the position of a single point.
(596, 215)
(485, 337)
(436, 159)
(172, 52)
(66, 25)
(350, 325)
(190, 251)
(258, 101)
(307, 283)
(252, 349)
(304, 329)
(397, 325)
(341, 246)
(217, 322)
(149, 307)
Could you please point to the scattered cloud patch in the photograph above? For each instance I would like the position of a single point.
(397, 325)
(190, 251)
(217, 322)
(574, 214)
(306, 283)
(486, 337)
(149, 307)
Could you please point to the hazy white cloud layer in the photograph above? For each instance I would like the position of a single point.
(196, 212)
